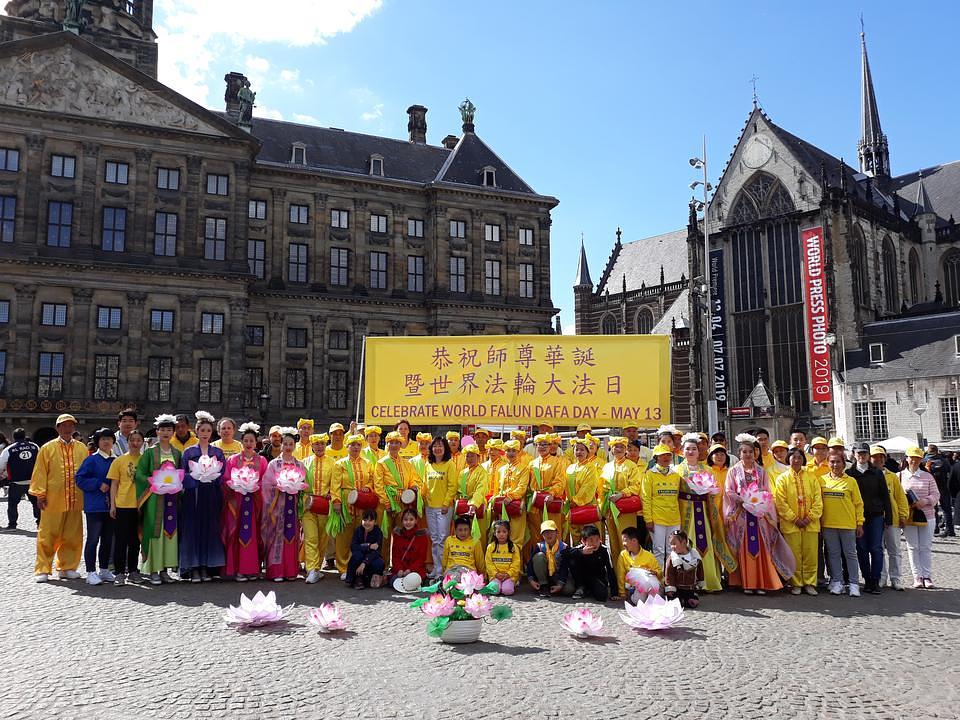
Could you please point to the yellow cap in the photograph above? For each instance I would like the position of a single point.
(512, 445)
(713, 448)
(66, 417)
(518, 435)
(481, 431)
(274, 429)
(321, 437)
(336, 427)
(548, 525)
(779, 444)
(818, 441)
(472, 449)
(355, 438)
(914, 451)
(630, 424)
(373, 430)
(394, 436)
(662, 449)
(836, 442)
(617, 441)
(453, 435)
(495, 444)
(424, 437)
(304, 421)
(584, 427)
(877, 450)
(545, 423)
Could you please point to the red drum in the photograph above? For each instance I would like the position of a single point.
(584, 515)
(463, 508)
(554, 506)
(408, 497)
(629, 504)
(319, 505)
(514, 508)
(363, 499)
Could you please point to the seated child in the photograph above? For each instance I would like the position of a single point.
(461, 550)
(503, 559)
(684, 571)
(549, 568)
(642, 562)
(410, 548)
(592, 572)
(366, 565)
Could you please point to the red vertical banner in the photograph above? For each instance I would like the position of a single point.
(815, 301)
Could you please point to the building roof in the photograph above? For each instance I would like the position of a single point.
(870, 132)
(676, 315)
(471, 155)
(912, 347)
(643, 262)
(942, 186)
(583, 270)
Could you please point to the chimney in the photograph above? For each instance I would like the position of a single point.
(450, 142)
(417, 124)
(234, 81)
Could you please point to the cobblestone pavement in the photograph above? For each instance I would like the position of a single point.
(73, 651)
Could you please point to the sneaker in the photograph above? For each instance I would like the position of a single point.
(918, 583)
(241, 578)
(343, 577)
(11, 527)
(94, 579)
(165, 577)
(205, 576)
(120, 579)
(330, 564)
(748, 592)
(278, 579)
(107, 576)
(578, 594)
(155, 579)
(854, 590)
(135, 577)
(874, 588)
(761, 592)
(811, 590)
(796, 590)
(41, 577)
(836, 589)
(928, 583)
(194, 576)
(895, 585)
(69, 575)
(312, 577)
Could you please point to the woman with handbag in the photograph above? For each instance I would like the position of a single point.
(923, 496)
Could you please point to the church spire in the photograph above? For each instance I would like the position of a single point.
(583, 271)
(923, 200)
(872, 150)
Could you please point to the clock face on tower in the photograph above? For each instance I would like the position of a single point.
(758, 151)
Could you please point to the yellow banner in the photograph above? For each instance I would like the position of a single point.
(518, 379)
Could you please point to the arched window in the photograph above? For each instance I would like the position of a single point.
(762, 196)
(915, 281)
(609, 325)
(858, 268)
(644, 321)
(890, 276)
(951, 276)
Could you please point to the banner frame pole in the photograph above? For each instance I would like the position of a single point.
(363, 359)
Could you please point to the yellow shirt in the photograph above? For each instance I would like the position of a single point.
(500, 559)
(643, 559)
(302, 452)
(842, 502)
(441, 483)
(459, 461)
(411, 450)
(383, 478)
(323, 486)
(772, 466)
(121, 472)
(661, 496)
(340, 478)
(514, 481)
(54, 475)
(234, 447)
(898, 498)
(582, 482)
(189, 442)
(623, 477)
(472, 485)
(797, 496)
(467, 553)
(335, 454)
(548, 475)
(493, 472)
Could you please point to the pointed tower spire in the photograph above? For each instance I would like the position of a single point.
(872, 150)
(923, 200)
(583, 271)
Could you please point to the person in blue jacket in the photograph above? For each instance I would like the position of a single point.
(548, 570)
(92, 479)
(366, 566)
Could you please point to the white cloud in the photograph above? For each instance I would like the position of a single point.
(256, 69)
(305, 119)
(570, 329)
(376, 113)
(268, 113)
(290, 80)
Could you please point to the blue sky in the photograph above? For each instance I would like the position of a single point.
(599, 104)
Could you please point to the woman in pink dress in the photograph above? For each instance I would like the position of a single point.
(240, 524)
(280, 520)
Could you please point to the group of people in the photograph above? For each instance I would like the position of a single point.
(208, 499)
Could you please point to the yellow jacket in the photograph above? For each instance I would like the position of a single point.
(181, 446)
(548, 475)
(384, 477)
(326, 470)
(441, 484)
(643, 559)
(372, 456)
(661, 496)
(773, 467)
(499, 559)
(493, 470)
(472, 485)
(571, 458)
(623, 478)
(340, 478)
(459, 462)
(898, 498)
(582, 482)
(797, 496)
(842, 502)
(514, 481)
(302, 452)
(467, 553)
(818, 469)
(54, 475)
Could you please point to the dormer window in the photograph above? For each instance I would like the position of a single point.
(876, 353)
(298, 154)
(376, 165)
(489, 176)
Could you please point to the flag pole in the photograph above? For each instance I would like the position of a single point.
(363, 356)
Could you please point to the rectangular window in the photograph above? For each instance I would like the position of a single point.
(870, 420)
(378, 270)
(340, 219)
(296, 337)
(211, 323)
(414, 228)
(526, 280)
(458, 229)
(783, 256)
(255, 335)
(256, 252)
(168, 179)
(378, 223)
(64, 166)
(217, 184)
(415, 273)
(108, 318)
(458, 274)
(337, 390)
(159, 373)
(491, 233)
(106, 377)
(257, 210)
(161, 320)
(491, 277)
(50, 375)
(117, 173)
(114, 235)
(876, 353)
(949, 417)
(4, 312)
(878, 420)
(53, 314)
(295, 388)
(8, 217)
(299, 214)
(748, 293)
(297, 266)
(252, 386)
(3, 370)
(165, 234)
(9, 159)
(339, 339)
(339, 266)
(214, 238)
(525, 236)
(211, 380)
(59, 223)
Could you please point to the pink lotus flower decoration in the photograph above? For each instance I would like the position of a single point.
(478, 605)
(205, 469)
(642, 581)
(654, 613)
(439, 605)
(757, 501)
(166, 480)
(290, 480)
(470, 582)
(244, 480)
(703, 483)
(327, 618)
(582, 623)
(260, 610)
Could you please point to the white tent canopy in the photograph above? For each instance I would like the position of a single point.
(897, 444)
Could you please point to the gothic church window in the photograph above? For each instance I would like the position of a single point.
(890, 276)
(644, 321)
(915, 280)
(857, 251)
(609, 325)
(951, 277)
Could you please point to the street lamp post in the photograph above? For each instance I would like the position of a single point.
(711, 420)
(263, 404)
(920, 411)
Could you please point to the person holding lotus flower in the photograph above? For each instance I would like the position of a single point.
(242, 507)
(201, 549)
(280, 524)
(159, 482)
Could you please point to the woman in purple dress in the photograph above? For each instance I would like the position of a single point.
(201, 549)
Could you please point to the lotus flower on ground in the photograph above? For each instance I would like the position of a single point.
(757, 501)
(582, 623)
(478, 605)
(327, 618)
(654, 613)
(166, 481)
(642, 581)
(206, 468)
(290, 480)
(260, 610)
(703, 483)
(470, 582)
(244, 480)
(439, 605)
